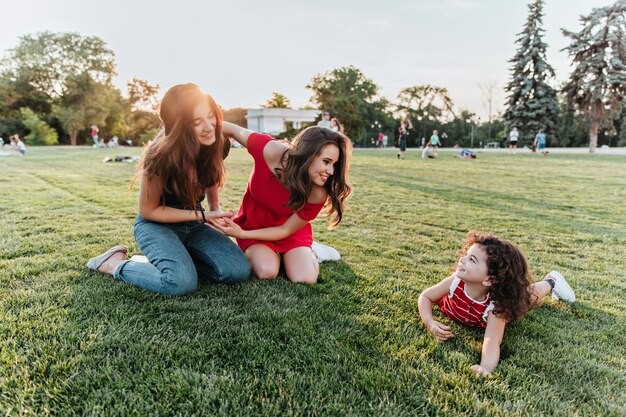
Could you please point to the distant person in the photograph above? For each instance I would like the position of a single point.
(1, 141)
(465, 153)
(434, 141)
(20, 146)
(114, 142)
(101, 143)
(94, 136)
(513, 138)
(325, 122)
(428, 152)
(403, 133)
(335, 125)
(540, 142)
(381, 139)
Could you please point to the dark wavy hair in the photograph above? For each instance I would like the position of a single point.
(508, 273)
(294, 174)
(184, 165)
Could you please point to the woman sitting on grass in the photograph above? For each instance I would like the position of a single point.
(182, 166)
(288, 187)
(490, 288)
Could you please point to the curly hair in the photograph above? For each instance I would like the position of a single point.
(294, 175)
(508, 273)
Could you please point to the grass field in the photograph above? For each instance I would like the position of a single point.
(78, 343)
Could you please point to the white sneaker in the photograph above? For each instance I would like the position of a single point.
(325, 253)
(561, 290)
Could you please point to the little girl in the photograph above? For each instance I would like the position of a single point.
(288, 187)
(490, 288)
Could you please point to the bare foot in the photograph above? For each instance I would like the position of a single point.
(108, 266)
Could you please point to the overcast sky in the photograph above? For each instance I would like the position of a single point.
(241, 51)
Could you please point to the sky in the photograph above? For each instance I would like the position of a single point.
(241, 51)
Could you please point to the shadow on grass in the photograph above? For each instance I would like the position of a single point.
(340, 347)
(253, 348)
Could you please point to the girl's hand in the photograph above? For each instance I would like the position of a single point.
(217, 215)
(480, 370)
(226, 226)
(440, 330)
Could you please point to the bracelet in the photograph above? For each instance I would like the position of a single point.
(203, 216)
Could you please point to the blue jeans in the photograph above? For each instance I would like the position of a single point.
(178, 253)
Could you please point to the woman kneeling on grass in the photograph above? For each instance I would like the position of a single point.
(184, 164)
(490, 287)
(288, 187)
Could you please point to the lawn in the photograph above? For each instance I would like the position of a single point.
(74, 342)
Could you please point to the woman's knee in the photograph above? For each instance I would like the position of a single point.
(235, 272)
(177, 284)
(303, 277)
(265, 270)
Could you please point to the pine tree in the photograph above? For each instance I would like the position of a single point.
(531, 102)
(598, 83)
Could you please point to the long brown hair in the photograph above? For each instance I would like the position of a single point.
(294, 175)
(508, 273)
(184, 165)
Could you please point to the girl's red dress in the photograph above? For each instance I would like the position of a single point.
(265, 203)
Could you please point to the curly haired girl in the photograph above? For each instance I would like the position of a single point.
(490, 287)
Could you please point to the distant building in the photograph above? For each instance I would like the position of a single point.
(273, 121)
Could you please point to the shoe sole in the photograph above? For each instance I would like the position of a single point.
(95, 262)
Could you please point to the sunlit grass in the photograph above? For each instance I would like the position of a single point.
(77, 343)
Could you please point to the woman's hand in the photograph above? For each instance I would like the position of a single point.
(440, 330)
(480, 370)
(227, 226)
(218, 216)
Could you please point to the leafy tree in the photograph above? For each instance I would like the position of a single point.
(531, 102)
(142, 95)
(278, 101)
(141, 121)
(425, 101)
(237, 116)
(47, 60)
(85, 103)
(598, 83)
(40, 132)
(427, 107)
(459, 129)
(351, 97)
(56, 75)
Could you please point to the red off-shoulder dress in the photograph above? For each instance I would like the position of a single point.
(265, 203)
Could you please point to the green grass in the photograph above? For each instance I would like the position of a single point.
(79, 343)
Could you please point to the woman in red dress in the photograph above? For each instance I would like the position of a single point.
(289, 185)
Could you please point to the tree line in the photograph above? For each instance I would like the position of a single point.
(54, 86)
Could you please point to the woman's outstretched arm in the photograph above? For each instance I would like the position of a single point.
(240, 134)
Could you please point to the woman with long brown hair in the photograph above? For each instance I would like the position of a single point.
(182, 166)
(289, 185)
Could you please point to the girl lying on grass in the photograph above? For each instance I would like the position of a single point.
(490, 288)
(288, 187)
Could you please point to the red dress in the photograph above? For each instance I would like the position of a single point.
(461, 307)
(265, 203)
